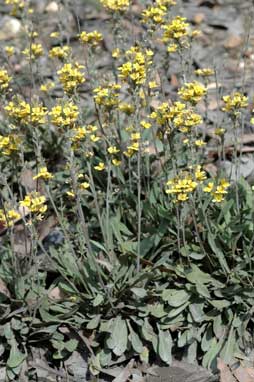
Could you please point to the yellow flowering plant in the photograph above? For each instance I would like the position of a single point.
(123, 214)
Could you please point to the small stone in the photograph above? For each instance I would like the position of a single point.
(199, 18)
(52, 7)
(10, 27)
(233, 42)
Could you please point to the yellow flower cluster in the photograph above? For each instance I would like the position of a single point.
(218, 191)
(185, 183)
(92, 38)
(35, 202)
(9, 217)
(64, 115)
(33, 51)
(61, 52)
(181, 186)
(71, 77)
(192, 92)
(9, 50)
(176, 29)
(126, 108)
(134, 145)
(235, 102)
(17, 5)
(81, 132)
(177, 116)
(4, 79)
(47, 86)
(9, 144)
(107, 96)
(206, 72)
(25, 113)
(154, 14)
(116, 5)
(136, 68)
(186, 119)
(43, 174)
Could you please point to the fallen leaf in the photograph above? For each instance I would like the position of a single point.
(3, 289)
(56, 294)
(244, 374)
(125, 373)
(45, 226)
(225, 373)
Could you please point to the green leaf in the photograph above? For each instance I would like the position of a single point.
(71, 345)
(197, 312)
(227, 352)
(98, 300)
(94, 322)
(165, 344)
(139, 292)
(220, 304)
(203, 290)
(135, 340)
(218, 252)
(16, 357)
(119, 336)
(195, 275)
(175, 297)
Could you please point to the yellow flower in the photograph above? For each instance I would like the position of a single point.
(113, 150)
(44, 174)
(200, 175)
(172, 48)
(34, 202)
(64, 115)
(107, 96)
(116, 5)
(92, 38)
(71, 77)
(145, 124)
(9, 50)
(176, 29)
(9, 144)
(23, 112)
(181, 186)
(9, 217)
(154, 15)
(4, 79)
(60, 52)
(200, 143)
(192, 92)
(136, 68)
(33, 51)
(116, 53)
(100, 166)
(126, 108)
(235, 102)
(206, 72)
(54, 34)
(208, 187)
(84, 185)
(47, 86)
(116, 162)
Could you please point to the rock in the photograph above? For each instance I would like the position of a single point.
(181, 371)
(10, 27)
(52, 7)
(233, 42)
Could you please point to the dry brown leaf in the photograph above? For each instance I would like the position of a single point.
(125, 373)
(3, 289)
(26, 179)
(56, 294)
(45, 226)
(244, 374)
(225, 373)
